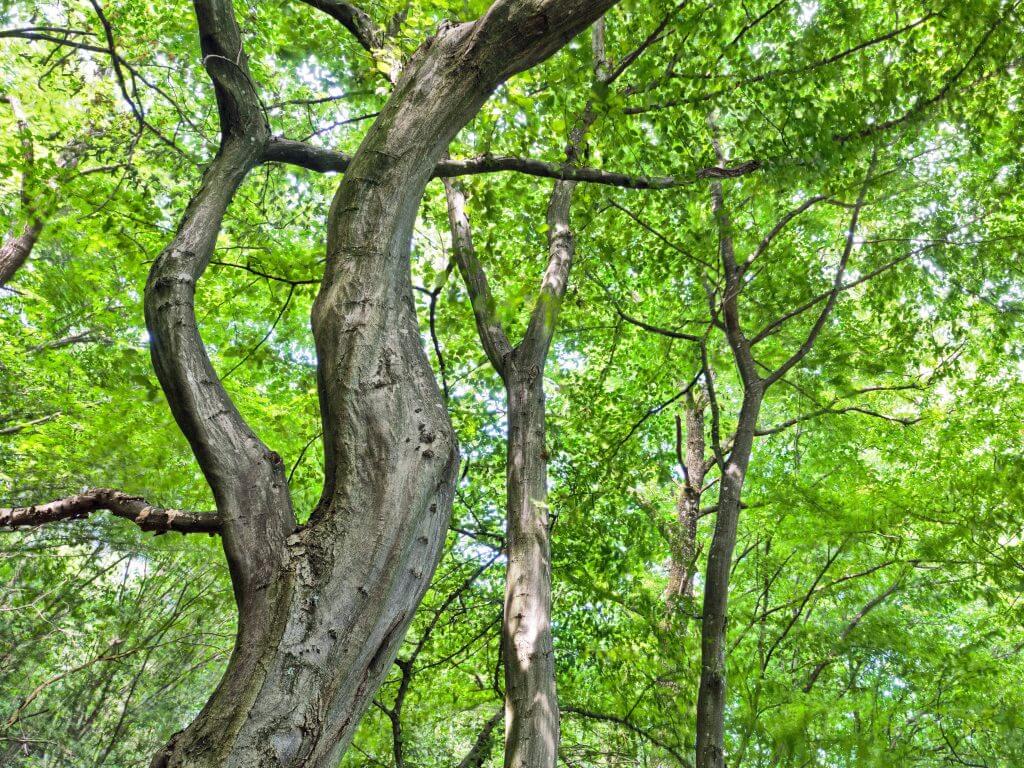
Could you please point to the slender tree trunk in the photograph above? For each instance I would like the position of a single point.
(684, 544)
(712, 694)
(17, 248)
(531, 704)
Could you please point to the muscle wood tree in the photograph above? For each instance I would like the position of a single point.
(323, 607)
(733, 458)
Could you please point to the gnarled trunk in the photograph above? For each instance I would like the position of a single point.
(323, 608)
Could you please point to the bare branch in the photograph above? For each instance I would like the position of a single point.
(628, 725)
(779, 226)
(848, 629)
(134, 508)
(14, 429)
(325, 160)
(481, 748)
(354, 19)
(561, 252)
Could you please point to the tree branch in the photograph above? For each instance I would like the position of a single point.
(561, 252)
(354, 19)
(481, 749)
(628, 725)
(847, 630)
(134, 508)
(492, 335)
(16, 428)
(324, 160)
(837, 286)
(905, 421)
(779, 226)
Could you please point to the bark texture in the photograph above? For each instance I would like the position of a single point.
(322, 609)
(17, 248)
(684, 538)
(711, 695)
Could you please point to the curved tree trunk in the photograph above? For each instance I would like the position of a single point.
(17, 248)
(323, 608)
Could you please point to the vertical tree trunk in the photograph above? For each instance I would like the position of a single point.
(531, 704)
(684, 537)
(712, 693)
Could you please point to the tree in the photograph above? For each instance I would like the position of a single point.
(322, 611)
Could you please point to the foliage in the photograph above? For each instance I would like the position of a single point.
(898, 478)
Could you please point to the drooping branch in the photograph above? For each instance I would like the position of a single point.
(832, 410)
(354, 19)
(325, 160)
(133, 508)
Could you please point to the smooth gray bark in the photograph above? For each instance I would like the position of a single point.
(531, 702)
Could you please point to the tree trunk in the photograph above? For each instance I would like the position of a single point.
(17, 248)
(711, 696)
(684, 538)
(531, 704)
(323, 608)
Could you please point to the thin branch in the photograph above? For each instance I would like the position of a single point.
(134, 508)
(325, 160)
(773, 327)
(847, 630)
(837, 285)
(14, 429)
(492, 334)
(481, 748)
(628, 725)
(777, 229)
